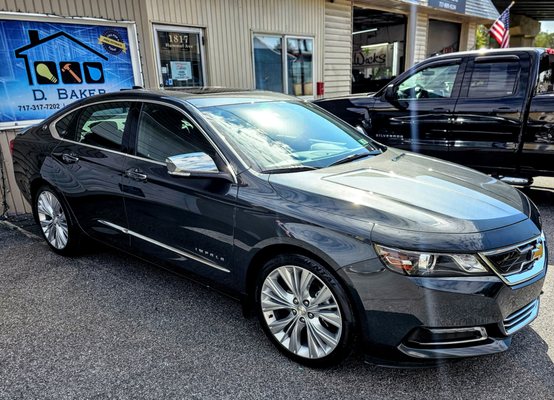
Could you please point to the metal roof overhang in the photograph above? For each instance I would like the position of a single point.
(540, 10)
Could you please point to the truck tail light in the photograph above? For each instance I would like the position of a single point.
(11, 146)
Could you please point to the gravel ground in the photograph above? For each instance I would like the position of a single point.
(109, 326)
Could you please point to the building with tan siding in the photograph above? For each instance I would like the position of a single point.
(306, 48)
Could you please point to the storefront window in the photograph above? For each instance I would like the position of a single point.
(180, 56)
(269, 61)
(300, 66)
(378, 44)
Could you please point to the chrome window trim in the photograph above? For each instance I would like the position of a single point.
(165, 246)
(57, 136)
(518, 277)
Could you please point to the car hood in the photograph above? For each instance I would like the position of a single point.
(407, 191)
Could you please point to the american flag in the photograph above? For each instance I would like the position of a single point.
(500, 30)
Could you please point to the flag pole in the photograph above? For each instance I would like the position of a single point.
(508, 8)
(489, 30)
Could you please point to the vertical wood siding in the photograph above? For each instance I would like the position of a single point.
(471, 35)
(338, 48)
(420, 40)
(229, 25)
(16, 203)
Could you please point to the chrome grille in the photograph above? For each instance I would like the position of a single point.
(519, 319)
(518, 263)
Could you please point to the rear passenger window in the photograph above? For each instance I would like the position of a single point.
(498, 79)
(102, 125)
(164, 132)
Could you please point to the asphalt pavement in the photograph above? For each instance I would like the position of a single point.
(106, 325)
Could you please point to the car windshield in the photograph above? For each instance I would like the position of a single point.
(288, 136)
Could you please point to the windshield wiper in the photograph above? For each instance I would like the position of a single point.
(292, 168)
(355, 156)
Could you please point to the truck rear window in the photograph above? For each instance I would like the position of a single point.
(494, 79)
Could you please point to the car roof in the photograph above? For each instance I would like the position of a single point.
(198, 97)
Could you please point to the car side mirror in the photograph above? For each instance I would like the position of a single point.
(391, 96)
(195, 165)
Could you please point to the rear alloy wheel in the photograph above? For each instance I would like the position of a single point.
(304, 310)
(56, 227)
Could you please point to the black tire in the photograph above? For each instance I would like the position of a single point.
(346, 335)
(72, 246)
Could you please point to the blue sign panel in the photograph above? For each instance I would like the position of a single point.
(47, 65)
(450, 5)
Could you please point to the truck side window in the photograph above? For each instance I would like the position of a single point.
(546, 78)
(430, 83)
(494, 79)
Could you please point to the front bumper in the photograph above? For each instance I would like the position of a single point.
(456, 317)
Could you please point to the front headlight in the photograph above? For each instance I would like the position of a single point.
(430, 264)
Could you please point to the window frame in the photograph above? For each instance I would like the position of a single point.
(136, 131)
(78, 111)
(491, 60)
(456, 89)
(436, 66)
(178, 29)
(130, 135)
(284, 73)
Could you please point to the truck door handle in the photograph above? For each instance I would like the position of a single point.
(441, 109)
(69, 158)
(136, 174)
(504, 110)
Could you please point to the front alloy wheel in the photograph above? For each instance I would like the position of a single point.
(300, 306)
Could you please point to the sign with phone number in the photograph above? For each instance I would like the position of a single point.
(48, 65)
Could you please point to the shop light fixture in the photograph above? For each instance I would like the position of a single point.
(365, 31)
(373, 46)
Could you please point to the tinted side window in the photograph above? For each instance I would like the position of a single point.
(164, 132)
(429, 83)
(63, 126)
(102, 125)
(498, 79)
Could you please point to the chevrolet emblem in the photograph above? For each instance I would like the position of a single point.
(538, 252)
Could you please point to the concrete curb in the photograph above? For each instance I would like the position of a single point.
(20, 230)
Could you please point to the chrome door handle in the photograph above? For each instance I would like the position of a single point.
(69, 158)
(136, 174)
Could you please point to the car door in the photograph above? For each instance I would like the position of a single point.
(184, 221)
(91, 160)
(489, 113)
(415, 113)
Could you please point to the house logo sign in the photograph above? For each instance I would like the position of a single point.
(68, 72)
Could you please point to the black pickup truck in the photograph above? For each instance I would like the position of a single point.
(491, 110)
